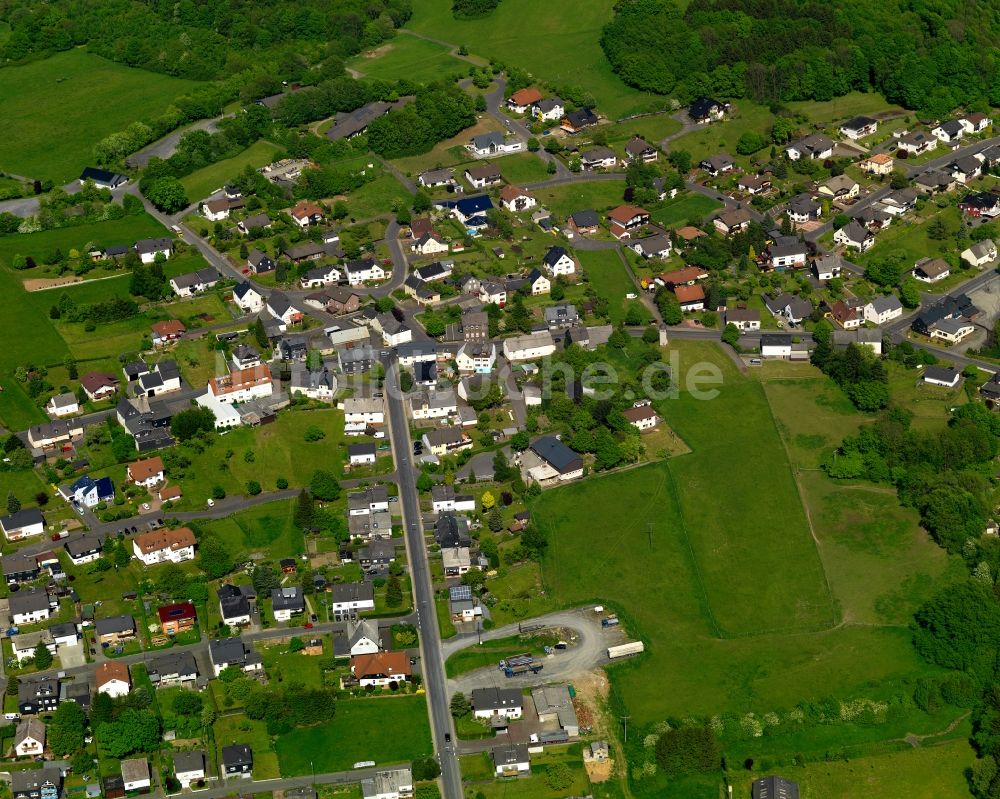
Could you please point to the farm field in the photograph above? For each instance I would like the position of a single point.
(363, 729)
(203, 182)
(412, 58)
(928, 772)
(694, 551)
(535, 37)
(62, 105)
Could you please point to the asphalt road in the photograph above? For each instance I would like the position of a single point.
(432, 663)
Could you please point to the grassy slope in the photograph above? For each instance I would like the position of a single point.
(606, 273)
(538, 37)
(268, 529)
(572, 197)
(600, 550)
(416, 59)
(58, 108)
(201, 183)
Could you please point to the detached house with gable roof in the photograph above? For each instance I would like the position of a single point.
(626, 220)
(159, 546)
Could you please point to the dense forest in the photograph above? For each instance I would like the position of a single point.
(203, 40)
(928, 55)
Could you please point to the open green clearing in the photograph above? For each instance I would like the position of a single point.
(908, 239)
(842, 108)
(928, 772)
(277, 450)
(683, 546)
(238, 729)
(599, 195)
(684, 208)
(412, 58)
(536, 37)
(58, 108)
(608, 275)
(522, 168)
(490, 653)
(362, 729)
(203, 182)
(722, 136)
(269, 529)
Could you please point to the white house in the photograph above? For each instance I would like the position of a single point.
(147, 472)
(493, 292)
(931, 270)
(815, 147)
(160, 546)
(393, 784)
(29, 738)
(22, 524)
(429, 244)
(478, 357)
(242, 385)
(551, 109)
(30, 606)
(507, 703)
(112, 678)
(361, 454)
(349, 599)
(855, 236)
(776, 345)
(515, 199)
(189, 767)
(444, 498)
(882, 309)
(981, 253)
(859, 127)
(319, 277)
(380, 669)
(743, 318)
(558, 262)
(135, 774)
(438, 404)
(946, 377)
(641, 416)
(148, 249)
(248, 299)
(511, 759)
(494, 143)
(530, 347)
(62, 405)
(363, 411)
(949, 132)
(359, 272)
(951, 330)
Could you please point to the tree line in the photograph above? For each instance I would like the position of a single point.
(920, 55)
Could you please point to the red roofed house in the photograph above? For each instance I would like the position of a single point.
(146, 472)
(167, 331)
(691, 298)
(177, 618)
(381, 668)
(689, 233)
(627, 218)
(521, 100)
(687, 276)
(306, 213)
(170, 493)
(99, 385)
(112, 678)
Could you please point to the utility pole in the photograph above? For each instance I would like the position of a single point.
(625, 722)
(649, 533)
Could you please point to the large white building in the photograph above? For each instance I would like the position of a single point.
(242, 385)
(529, 347)
(163, 545)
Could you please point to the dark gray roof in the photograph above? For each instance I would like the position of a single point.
(22, 518)
(237, 755)
(84, 544)
(352, 592)
(29, 601)
(189, 761)
(115, 624)
(287, 598)
(944, 374)
(496, 698)
(776, 340)
(775, 788)
(556, 454)
(173, 663)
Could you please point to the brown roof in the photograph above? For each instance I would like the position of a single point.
(509, 193)
(689, 293)
(640, 413)
(380, 663)
(157, 540)
(306, 208)
(169, 327)
(143, 470)
(689, 233)
(753, 181)
(526, 96)
(484, 171)
(637, 145)
(95, 381)
(420, 226)
(170, 492)
(735, 217)
(880, 158)
(625, 213)
(685, 275)
(742, 315)
(934, 267)
(239, 379)
(110, 670)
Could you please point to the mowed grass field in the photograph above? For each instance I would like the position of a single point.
(607, 274)
(387, 730)
(411, 57)
(683, 209)
(201, 183)
(58, 108)
(599, 195)
(694, 545)
(557, 41)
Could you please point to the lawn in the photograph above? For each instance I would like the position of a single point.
(680, 210)
(203, 182)
(268, 528)
(928, 772)
(364, 729)
(600, 195)
(842, 108)
(908, 239)
(62, 105)
(609, 277)
(653, 129)
(276, 450)
(411, 58)
(537, 38)
(238, 729)
(380, 196)
(284, 666)
(522, 168)
(490, 653)
(708, 140)
(681, 560)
